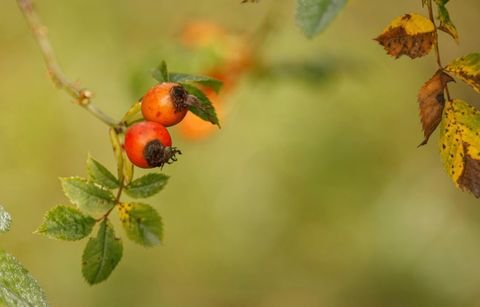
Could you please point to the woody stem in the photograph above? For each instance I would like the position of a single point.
(436, 46)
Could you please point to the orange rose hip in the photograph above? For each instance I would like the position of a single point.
(165, 103)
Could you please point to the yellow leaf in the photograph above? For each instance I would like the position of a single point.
(460, 145)
(410, 34)
(467, 68)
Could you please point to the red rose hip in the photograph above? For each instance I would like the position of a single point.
(165, 103)
(148, 144)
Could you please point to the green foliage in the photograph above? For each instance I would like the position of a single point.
(141, 223)
(446, 24)
(100, 174)
(88, 196)
(5, 220)
(467, 68)
(102, 254)
(66, 223)
(146, 186)
(161, 73)
(313, 16)
(205, 109)
(17, 286)
(212, 83)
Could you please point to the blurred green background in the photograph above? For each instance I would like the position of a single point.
(312, 194)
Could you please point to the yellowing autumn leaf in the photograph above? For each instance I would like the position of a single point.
(431, 99)
(410, 34)
(467, 68)
(446, 24)
(460, 145)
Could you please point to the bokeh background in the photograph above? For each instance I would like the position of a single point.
(313, 193)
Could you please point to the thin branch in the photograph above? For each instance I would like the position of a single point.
(81, 95)
(437, 49)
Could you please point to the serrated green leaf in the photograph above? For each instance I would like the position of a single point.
(66, 223)
(89, 197)
(460, 145)
(147, 185)
(5, 220)
(467, 68)
(205, 111)
(142, 223)
(102, 254)
(446, 24)
(161, 73)
(313, 16)
(100, 174)
(212, 83)
(17, 286)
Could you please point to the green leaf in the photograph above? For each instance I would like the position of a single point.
(205, 109)
(460, 145)
(66, 223)
(100, 174)
(446, 24)
(313, 16)
(88, 196)
(212, 83)
(147, 185)
(102, 254)
(161, 73)
(142, 223)
(17, 286)
(467, 68)
(5, 220)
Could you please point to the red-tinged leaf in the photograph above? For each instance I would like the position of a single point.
(431, 99)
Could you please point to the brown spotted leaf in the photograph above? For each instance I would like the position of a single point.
(470, 178)
(467, 68)
(460, 145)
(431, 99)
(411, 34)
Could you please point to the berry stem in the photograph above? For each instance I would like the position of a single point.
(436, 45)
(82, 96)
